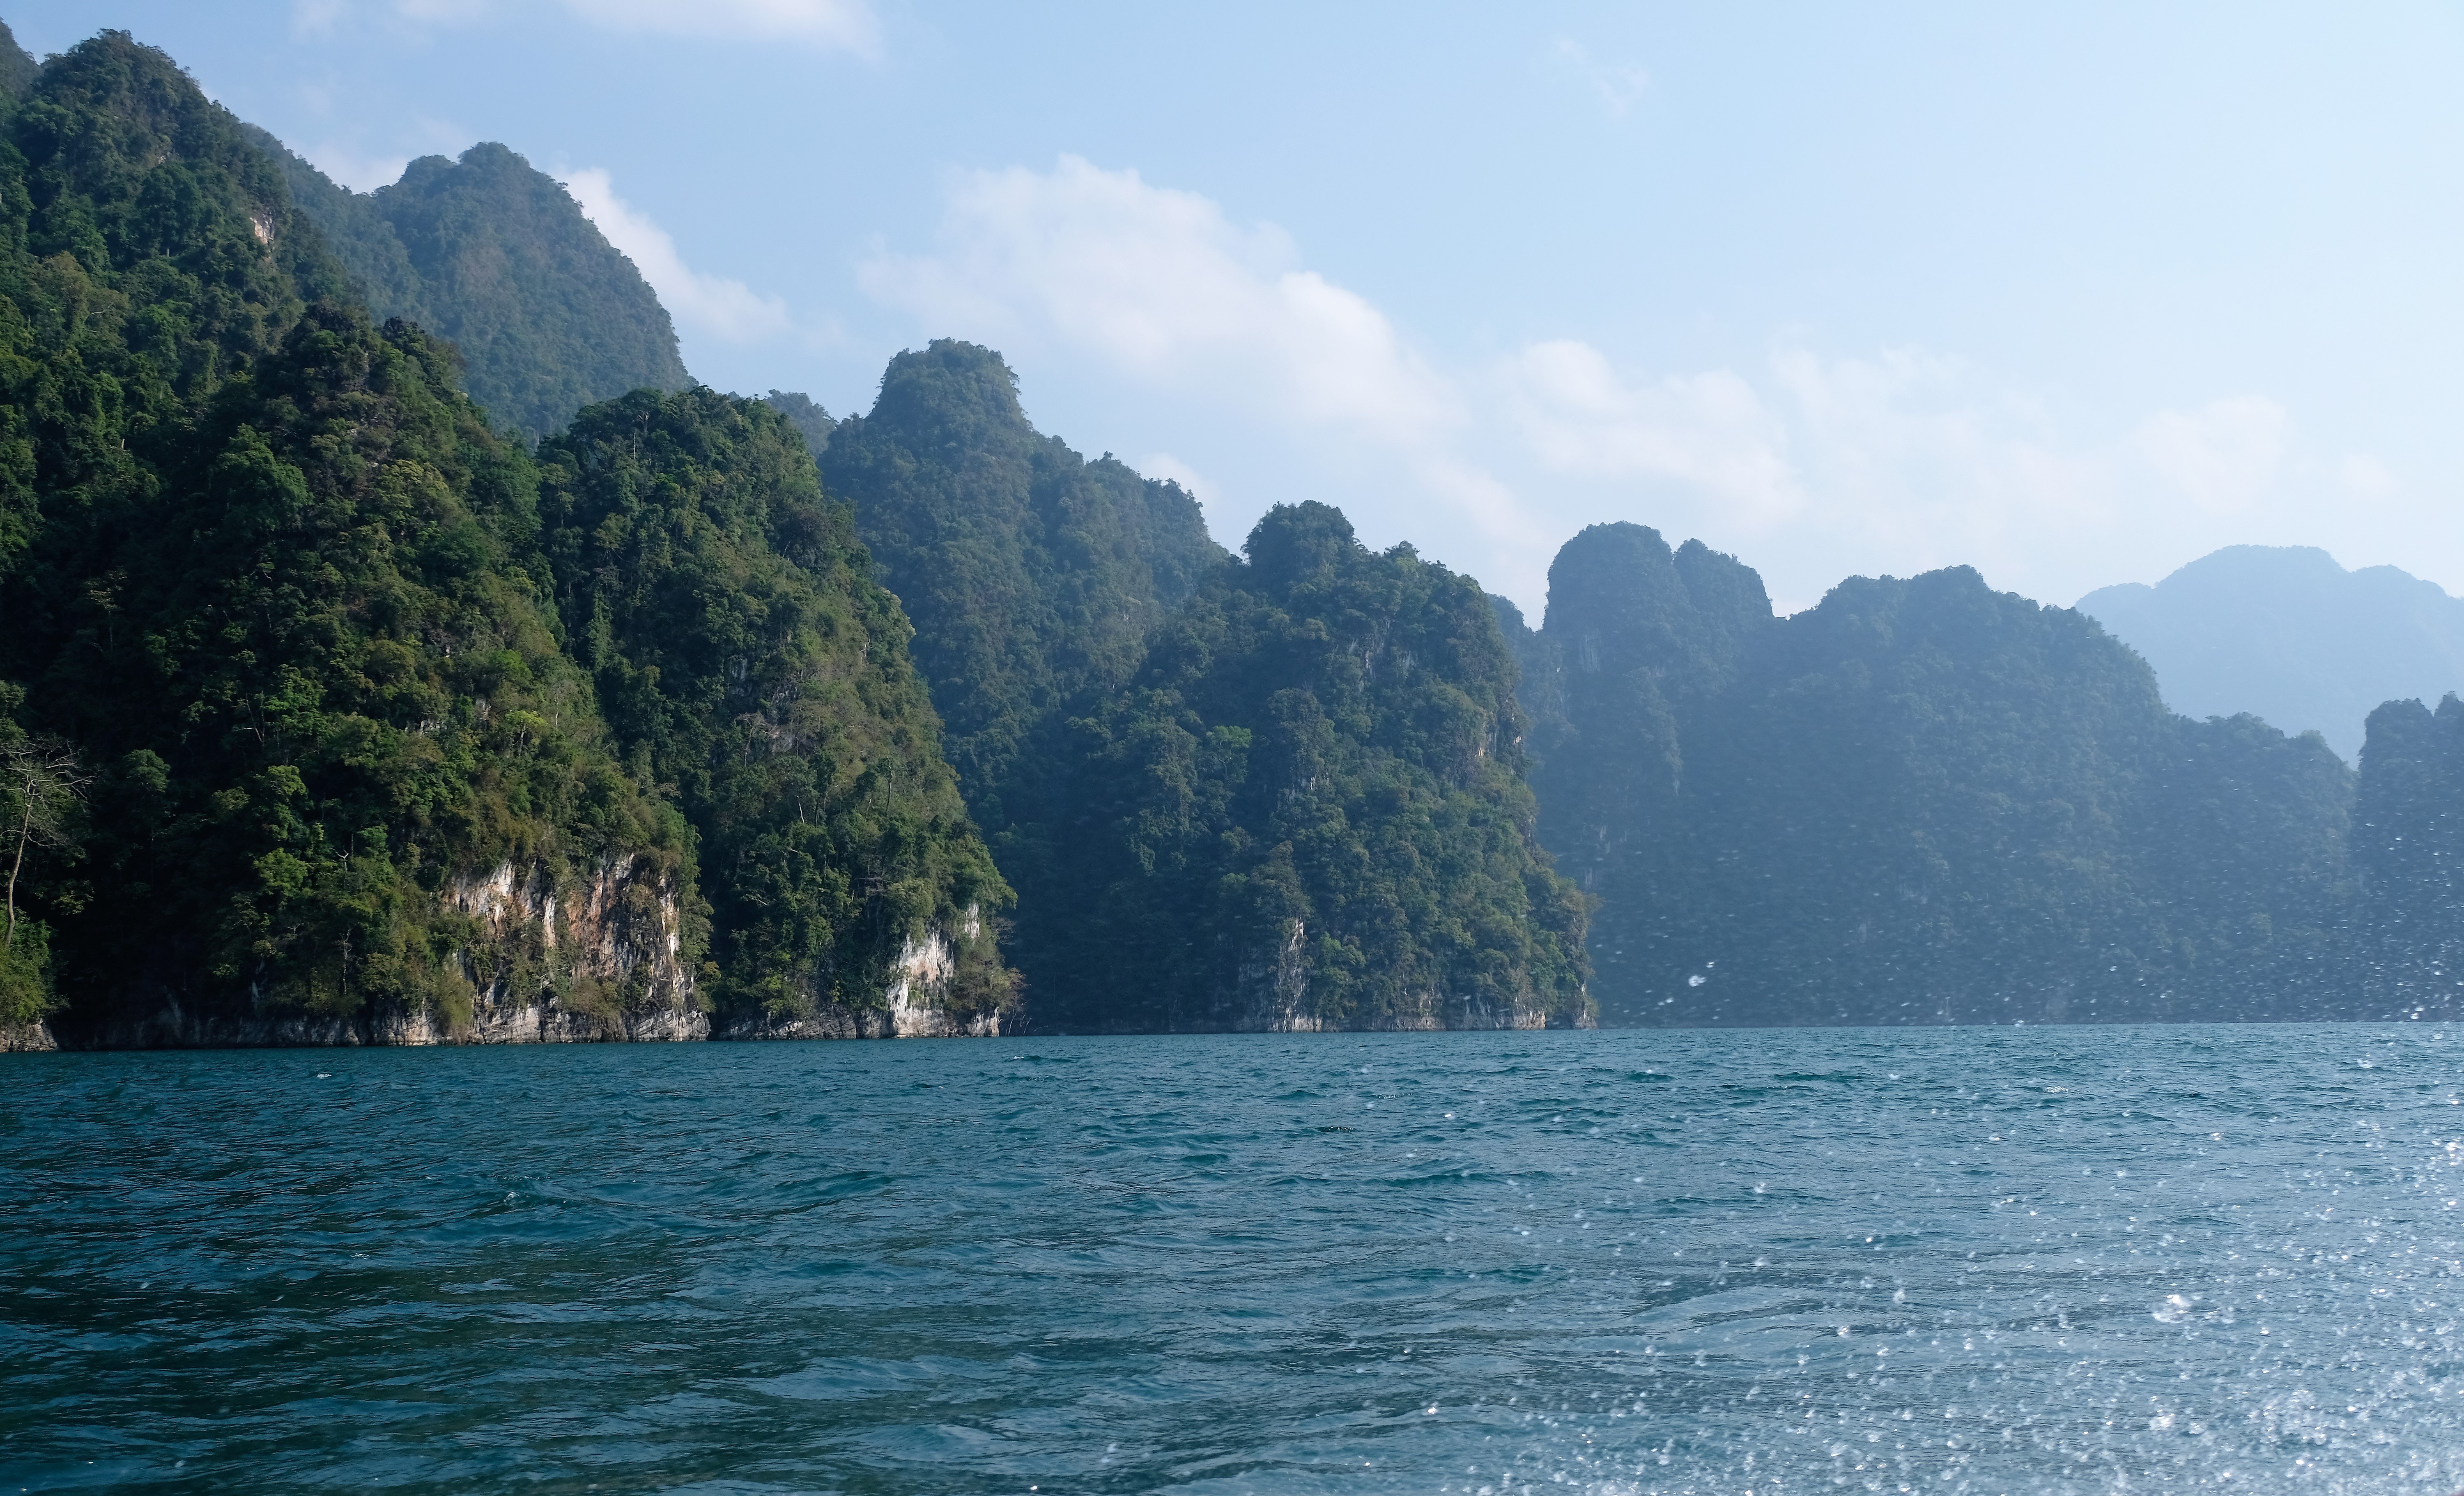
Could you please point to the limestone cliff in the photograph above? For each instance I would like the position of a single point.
(1274, 990)
(934, 990)
(542, 960)
(596, 961)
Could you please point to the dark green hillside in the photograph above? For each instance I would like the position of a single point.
(2408, 855)
(1921, 802)
(1307, 811)
(755, 669)
(1639, 640)
(1032, 576)
(273, 580)
(17, 65)
(806, 417)
(323, 686)
(497, 257)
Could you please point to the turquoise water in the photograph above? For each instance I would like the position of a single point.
(1985, 1260)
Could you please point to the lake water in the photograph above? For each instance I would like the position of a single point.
(1985, 1260)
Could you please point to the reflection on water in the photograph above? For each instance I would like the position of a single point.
(1987, 1259)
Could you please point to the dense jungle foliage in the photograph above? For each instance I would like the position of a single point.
(754, 669)
(2408, 850)
(496, 257)
(1033, 577)
(284, 660)
(302, 639)
(1921, 801)
(1306, 809)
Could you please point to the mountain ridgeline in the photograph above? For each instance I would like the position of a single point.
(496, 257)
(2286, 633)
(1920, 801)
(399, 646)
(1279, 793)
(305, 659)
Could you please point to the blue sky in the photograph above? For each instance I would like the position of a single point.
(2073, 294)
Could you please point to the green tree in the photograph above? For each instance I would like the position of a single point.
(496, 257)
(1920, 801)
(276, 579)
(1308, 810)
(755, 671)
(1033, 577)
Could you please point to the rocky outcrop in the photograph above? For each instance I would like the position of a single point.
(26, 1038)
(1274, 994)
(917, 1002)
(598, 959)
(1273, 998)
(589, 960)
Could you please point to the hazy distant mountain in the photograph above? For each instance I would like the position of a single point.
(2285, 633)
(17, 65)
(1921, 801)
(495, 255)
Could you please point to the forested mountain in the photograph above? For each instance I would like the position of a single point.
(266, 577)
(1920, 801)
(753, 667)
(17, 65)
(497, 257)
(1032, 575)
(2285, 633)
(2408, 855)
(1307, 810)
(294, 741)
(329, 709)
(1279, 794)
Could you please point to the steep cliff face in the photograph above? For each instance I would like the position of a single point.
(602, 960)
(1273, 997)
(927, 996)
(540, 960)
(1307, 812)
(27, 1038)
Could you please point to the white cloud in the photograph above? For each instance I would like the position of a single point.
(360, 172)
(1810, 466)
(1710, 431)
(2365, 477)
(1160, 285)
(727, 310)
(2221, 457)
(1171, 470)
(1620, 86)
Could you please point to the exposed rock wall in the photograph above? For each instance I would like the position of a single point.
(595, 959)
(600, 962)
(26, 1038)
(917, 1003)
(1273, 997)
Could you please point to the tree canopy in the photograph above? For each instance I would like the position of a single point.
(755, 672)
(496, 257)
(1921, 801)
(1306, 809)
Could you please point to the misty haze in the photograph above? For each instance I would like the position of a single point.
(801, 745)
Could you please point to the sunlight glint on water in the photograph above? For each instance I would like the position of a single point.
(1990, 1260)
